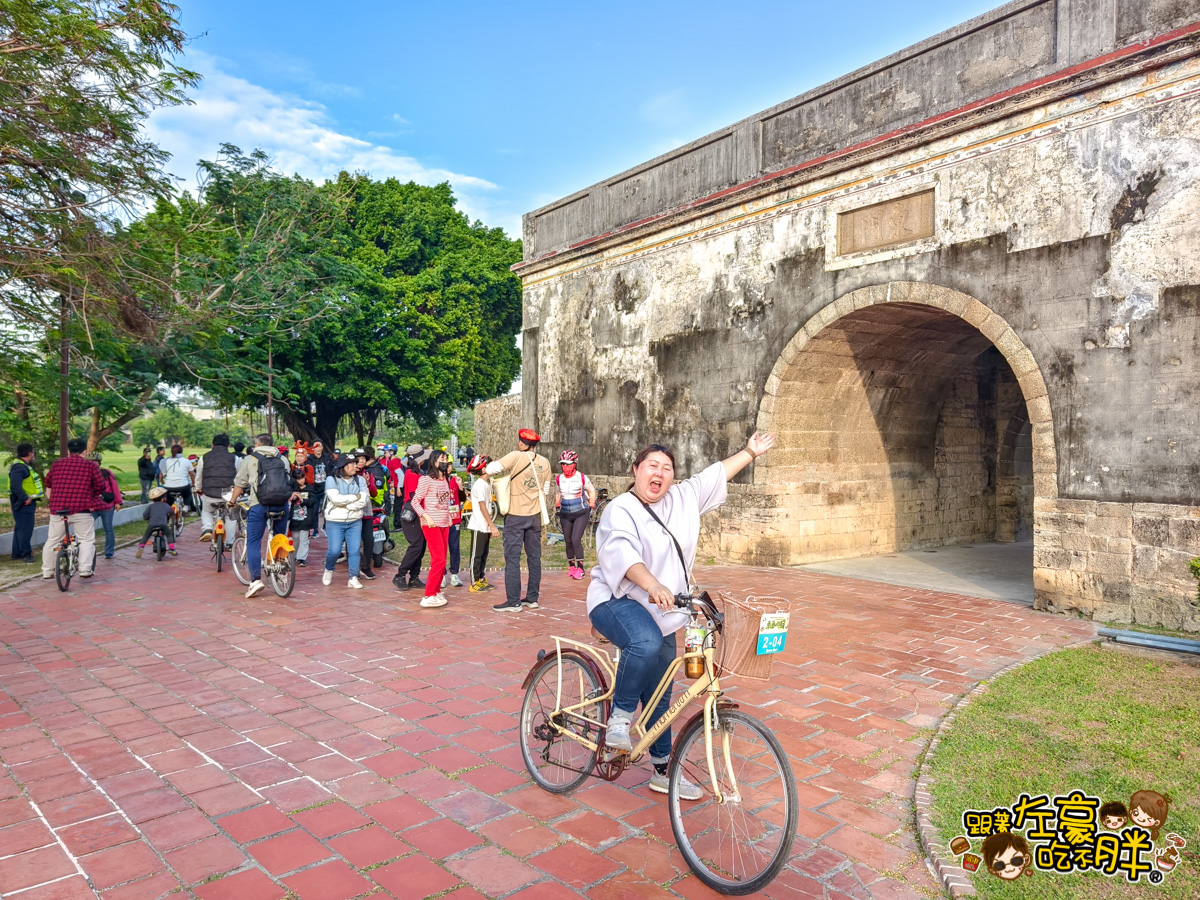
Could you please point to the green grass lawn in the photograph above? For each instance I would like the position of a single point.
(1104, 722)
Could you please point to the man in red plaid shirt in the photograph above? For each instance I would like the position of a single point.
(74, 485)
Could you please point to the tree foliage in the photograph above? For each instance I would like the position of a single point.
(79, 76)
(404, 308)
(170, 425)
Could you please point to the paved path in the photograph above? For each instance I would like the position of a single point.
(157, 732)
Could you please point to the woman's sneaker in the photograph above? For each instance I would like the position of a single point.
(480, 586)
(687, 790)
(327, 577)
(354, 583)
(616, 736)
(436, 600)
(455, 581)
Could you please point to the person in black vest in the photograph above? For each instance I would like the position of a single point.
(408, 575)
(377, 479)
(24, 491)
(146, 474)
(322, 462)
(214, 477)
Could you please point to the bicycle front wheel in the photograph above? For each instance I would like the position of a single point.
(283, 574)
(62, 569)
(241, 568)
(738, 845)
(555, 762)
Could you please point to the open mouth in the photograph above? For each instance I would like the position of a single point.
(655, 486)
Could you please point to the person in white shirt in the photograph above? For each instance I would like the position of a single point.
(482, 523)
(575, 498)
(177, 475)
(645, 548)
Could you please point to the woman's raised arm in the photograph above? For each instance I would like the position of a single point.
(755, 447)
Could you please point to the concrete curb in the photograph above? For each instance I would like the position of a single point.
(4, 586)
(944, 865)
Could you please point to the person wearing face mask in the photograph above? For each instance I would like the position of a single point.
(431, 502)
(645, 549)
(575, 498)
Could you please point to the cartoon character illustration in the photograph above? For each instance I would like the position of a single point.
(1149, 809)
(1006, 855)
(1113, 815)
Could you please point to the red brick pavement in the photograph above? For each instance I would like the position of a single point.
(158, 731)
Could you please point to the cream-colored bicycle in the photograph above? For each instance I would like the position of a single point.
(739, 835)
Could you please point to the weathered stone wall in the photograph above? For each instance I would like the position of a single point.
(1036, 336)
(496, 424)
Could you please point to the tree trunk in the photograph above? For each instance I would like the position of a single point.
(97, 433)
(64, 373)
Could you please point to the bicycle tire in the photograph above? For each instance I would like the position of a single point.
(160, 547)
(219, 550)
(558, 764)
(180, 521)
(283, 575)
(734, 847)
(62, 569)
(237, 559)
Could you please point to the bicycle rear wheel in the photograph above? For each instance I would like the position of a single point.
(62, 569)
(241, 567)
(555, 762)
(282, 573)
(180, 521)
(219, 550)
(739, 845)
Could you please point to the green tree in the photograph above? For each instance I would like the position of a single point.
(79, 79)
(427, 322)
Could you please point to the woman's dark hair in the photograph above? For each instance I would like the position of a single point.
(434, 458)
(646, 451)
(176, 449)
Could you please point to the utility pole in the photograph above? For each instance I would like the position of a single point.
(270, 387)
(64, 372)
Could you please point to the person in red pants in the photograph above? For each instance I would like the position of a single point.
(431, 503)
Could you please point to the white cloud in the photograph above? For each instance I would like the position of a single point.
(295, 132)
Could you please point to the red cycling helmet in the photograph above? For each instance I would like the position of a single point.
(478, 464)
(568, 458)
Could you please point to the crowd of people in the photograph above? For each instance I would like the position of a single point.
(646, 539)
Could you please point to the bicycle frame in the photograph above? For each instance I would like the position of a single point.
(707, 684)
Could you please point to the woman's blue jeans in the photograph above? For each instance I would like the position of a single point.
(645, 656)
(351, 533)
(105, 517)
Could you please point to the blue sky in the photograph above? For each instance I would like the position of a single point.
(515, 104)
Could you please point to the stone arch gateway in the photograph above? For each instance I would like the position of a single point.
(899, 410)
(963, 283)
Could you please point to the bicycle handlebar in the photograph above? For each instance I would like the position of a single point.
(703, 603)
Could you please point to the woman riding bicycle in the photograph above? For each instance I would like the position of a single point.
(645, 548)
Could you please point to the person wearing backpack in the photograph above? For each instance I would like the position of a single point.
(110, 501)
(268, 479)
(575, 498)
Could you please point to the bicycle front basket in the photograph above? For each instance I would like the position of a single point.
(755, 630)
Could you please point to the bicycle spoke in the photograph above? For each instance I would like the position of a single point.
(555, 761)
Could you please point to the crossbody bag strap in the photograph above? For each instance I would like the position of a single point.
(687, 574)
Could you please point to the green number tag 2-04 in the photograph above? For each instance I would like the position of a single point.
(772, 633)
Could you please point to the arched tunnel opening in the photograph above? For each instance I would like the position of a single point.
(901, 426)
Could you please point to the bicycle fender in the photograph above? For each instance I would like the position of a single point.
(584, 660)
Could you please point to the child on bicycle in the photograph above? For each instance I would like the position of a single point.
(158, 518)
(645, 548)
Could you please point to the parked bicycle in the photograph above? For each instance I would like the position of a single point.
(279, 557)
(66, 562)
(739, 835)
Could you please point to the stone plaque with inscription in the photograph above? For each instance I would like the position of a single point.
(887, 224)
